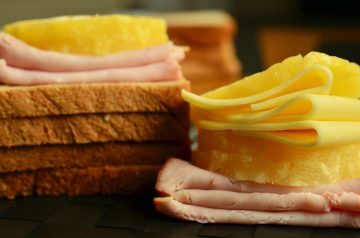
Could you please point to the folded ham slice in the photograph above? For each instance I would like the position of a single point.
(22, 64)
(173, 208)
(157, 72)
(21, 55)
(228, 200)
(195, 194)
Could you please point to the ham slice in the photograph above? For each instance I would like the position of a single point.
(157, 72)
(178, 174)
(344, 201)
(228, 200)
(199, 195)
(173, 208)
(21, 55)
(22, 64)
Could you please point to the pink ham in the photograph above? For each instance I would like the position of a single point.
(178, 174)
(195, 194)
(228, 200)
(173, 208)
(163, 71)
(344, 201)
(21, 55)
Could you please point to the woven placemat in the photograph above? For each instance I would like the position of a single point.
(119, 216)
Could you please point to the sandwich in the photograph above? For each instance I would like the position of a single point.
(89, 104)
(277, 147)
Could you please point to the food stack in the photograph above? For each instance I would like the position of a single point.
(277, 147)
(77, 137)
(211, 61)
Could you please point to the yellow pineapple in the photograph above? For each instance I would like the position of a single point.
(265, 161)
(91, 35)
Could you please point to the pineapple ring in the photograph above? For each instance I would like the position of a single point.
(91, 35)
(264, 161)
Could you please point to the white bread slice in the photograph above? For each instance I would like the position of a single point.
(25, 158)
(91, 128)
(62, 99)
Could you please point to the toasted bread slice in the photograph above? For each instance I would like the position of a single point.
(25, 158)
(62, 99)
(89, 128)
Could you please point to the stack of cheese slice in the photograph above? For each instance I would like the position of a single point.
(91, 105)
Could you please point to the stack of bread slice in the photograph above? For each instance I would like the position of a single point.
(78, 139)
(211, 61)
(108, 136)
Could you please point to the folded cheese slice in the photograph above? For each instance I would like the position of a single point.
(314, 79)
(301, 133)
(301, 101)
(304, 107)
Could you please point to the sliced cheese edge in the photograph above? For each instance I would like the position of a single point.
(313, 79)
(301, 133)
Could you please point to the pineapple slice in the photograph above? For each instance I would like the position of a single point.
(250, 158)
(91, 35)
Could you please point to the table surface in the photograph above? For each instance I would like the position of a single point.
(119, 216)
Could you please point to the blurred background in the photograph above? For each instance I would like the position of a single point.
(266, 32)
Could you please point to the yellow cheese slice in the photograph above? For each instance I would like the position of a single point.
(301, 133)
(313, 79)
(304, 107)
